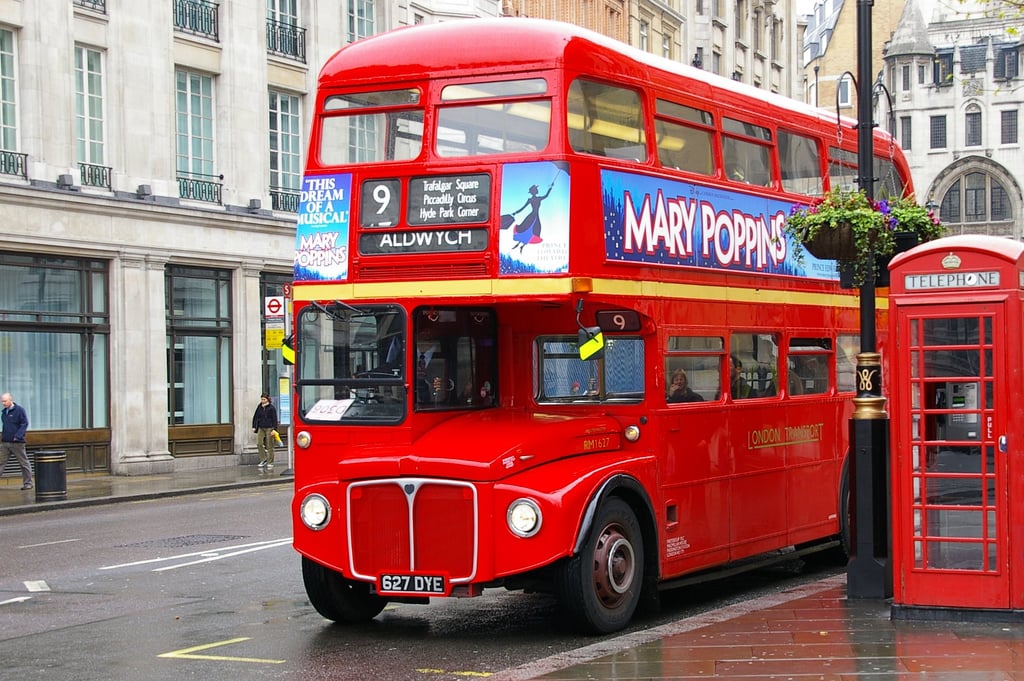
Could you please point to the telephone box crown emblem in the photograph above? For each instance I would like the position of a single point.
(951, 262)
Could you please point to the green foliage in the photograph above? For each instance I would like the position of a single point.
(870, 226)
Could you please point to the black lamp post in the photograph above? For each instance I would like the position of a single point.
(869, 572)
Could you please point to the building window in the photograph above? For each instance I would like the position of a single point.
(8, 108)
(285, 148)
(360, 19)
(921, 71)
(1007, 63)
(1008, 126)
(700, 7)
(666, 46)
(975, 198)
(54, 331)
(194, 123)
(905, 78)
(942, 71)
(844, 94)
(198, 345)
(972, 126)
(89, 105)
(906, 130)
(284, 37)
(740, 19)
(644, 30)
(938, 132)
(755, 31)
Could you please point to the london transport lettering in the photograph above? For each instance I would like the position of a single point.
(774, 436)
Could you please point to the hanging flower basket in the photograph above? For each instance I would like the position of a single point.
(832, 244)
(857, 232)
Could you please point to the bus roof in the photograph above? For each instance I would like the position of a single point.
(501, 45)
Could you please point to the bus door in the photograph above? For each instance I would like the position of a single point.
(952, 476)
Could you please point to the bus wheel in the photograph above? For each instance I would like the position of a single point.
(337, 598)
(600, 586)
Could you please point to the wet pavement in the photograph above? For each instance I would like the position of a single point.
(92, 490)
(811, 632)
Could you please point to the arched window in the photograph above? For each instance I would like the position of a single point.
(975, 197)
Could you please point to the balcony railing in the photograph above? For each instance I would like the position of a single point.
(92, 175)
(191, 186)
(285, 200)
(94, 5)
(197, 17)
(286, 40)
(13, 163)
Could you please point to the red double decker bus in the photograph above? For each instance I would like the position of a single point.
(549, 330)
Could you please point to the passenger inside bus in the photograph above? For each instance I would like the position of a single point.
(739, 388)
(679, 389)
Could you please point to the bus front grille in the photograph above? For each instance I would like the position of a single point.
(407, 525)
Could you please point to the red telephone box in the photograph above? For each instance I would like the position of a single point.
(957, 419)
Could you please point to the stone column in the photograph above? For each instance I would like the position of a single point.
(248, 356)
(138, 367)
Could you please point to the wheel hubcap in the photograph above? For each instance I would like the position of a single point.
(614, 566)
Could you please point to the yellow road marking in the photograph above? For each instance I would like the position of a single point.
(445, 671)
(188, 653)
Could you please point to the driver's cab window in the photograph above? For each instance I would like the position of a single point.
(455, 359)
(617, 376)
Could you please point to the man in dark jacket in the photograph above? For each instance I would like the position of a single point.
(12, 441)
(264, 424)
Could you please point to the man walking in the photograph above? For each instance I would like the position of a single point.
(15, 423)
(264, 424)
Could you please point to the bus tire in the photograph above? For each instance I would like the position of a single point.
(338, 599)
(599, 588)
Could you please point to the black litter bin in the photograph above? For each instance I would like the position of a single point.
(51, 476)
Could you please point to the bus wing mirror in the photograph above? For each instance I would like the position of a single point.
(288, 349)
(591, 342)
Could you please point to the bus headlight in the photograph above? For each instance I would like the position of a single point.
(524, 517)
(315, 512)
(303, 439)
(632, 433)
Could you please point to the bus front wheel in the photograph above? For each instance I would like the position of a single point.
(339, 599)
(600, 586)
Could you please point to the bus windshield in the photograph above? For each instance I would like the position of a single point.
(352, 364)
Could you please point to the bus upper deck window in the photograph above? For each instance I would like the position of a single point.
(367, 127)
(488, 127)
(747, 161)
(800, 163)
(684, 146)
(606, 120)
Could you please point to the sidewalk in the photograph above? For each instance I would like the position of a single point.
(810, 632)
(92, 490)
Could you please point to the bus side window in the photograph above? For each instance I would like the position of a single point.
(809, 360)
(747, 160)
(754, 365)
(606, 120)
(701, 358)
(800, 164)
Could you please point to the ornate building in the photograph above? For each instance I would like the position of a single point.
(954, 75)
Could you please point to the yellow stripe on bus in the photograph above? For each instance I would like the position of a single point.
(562, 286)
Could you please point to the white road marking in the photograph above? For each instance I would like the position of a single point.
(206, 555)
(19, 599)
(48, 543)
(37, 586)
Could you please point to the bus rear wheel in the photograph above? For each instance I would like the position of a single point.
(600, 586)
(338, 599)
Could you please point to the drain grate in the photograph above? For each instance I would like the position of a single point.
(179, 542)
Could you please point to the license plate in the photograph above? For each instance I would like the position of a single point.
(432, 585)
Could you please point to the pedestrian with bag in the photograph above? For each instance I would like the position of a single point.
(15, 424)
(264, 424)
